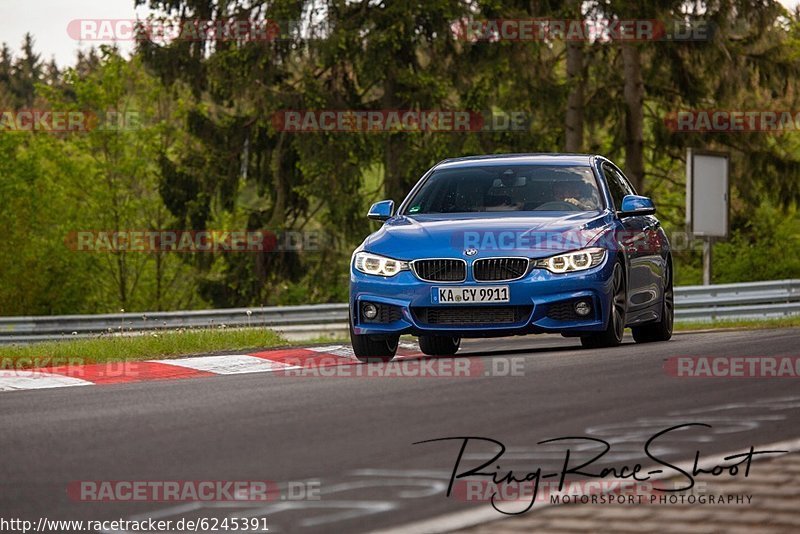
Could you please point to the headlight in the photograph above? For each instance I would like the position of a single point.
(378, 265)
(573, 261)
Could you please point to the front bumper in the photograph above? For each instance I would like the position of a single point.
(540, 292)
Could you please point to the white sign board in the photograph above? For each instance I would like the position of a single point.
(707, 191)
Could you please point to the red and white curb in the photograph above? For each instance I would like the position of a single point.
(193, 367)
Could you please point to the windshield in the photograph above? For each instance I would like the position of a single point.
(507, 188)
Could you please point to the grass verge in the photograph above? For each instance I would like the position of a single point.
(155, 345)
(752, 324)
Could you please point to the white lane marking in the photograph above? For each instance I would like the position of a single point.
(232, 364)
(344, 351)
(422, 473)
(471, 518)
(14, 379)
(425, 488)
(349, 510)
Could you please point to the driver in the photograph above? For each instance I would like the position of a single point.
(573, 192)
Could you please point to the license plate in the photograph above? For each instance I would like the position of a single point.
(469, 295)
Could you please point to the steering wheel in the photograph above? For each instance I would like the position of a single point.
(557, 205)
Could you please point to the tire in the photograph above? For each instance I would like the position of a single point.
(612, 335)
(439, 345)
(660, 330)
(373, 349)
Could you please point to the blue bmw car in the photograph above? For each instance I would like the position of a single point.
(512, 245)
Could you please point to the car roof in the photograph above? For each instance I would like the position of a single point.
(583, 160)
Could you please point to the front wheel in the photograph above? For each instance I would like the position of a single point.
(439, 345)
(371, 349)
(661, 330)
(612, 335)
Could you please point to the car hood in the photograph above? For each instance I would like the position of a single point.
(492, 234)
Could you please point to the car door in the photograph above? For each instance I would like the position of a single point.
(643, 257)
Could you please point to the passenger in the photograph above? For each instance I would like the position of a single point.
(575, 193)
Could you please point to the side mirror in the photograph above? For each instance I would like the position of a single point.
(633, 205)
(380, 211)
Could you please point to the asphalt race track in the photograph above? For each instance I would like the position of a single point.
(351, 437)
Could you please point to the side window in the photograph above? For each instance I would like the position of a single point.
(617, 185)
(626, 184)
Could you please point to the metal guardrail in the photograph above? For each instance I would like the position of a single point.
(289, 319)
(751, 300)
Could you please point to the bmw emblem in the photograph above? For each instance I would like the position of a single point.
(471, 251)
